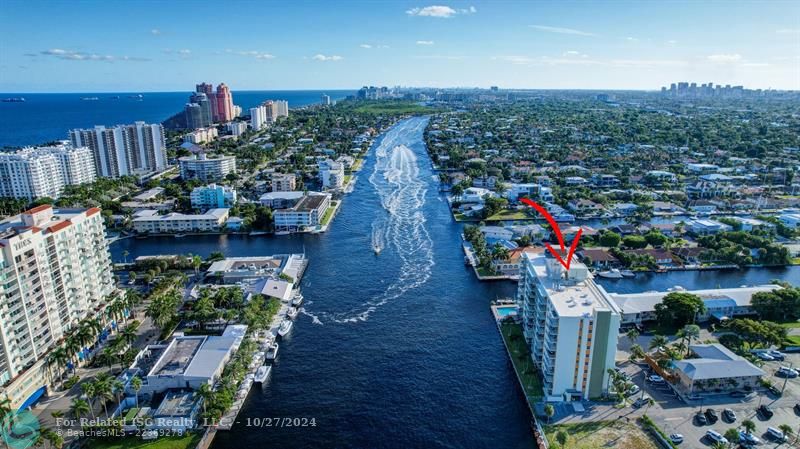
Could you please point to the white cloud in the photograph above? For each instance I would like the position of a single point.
(155, 31)
(443, 57)
(672, 42)
(442, 12)
(725, 58)
(321, 57)
(574, 54)
(251, 53)
(560, 30)
(365, 46)
(788, 31)
(184, 51)
(424, 42)
(569, 58)
(631, 39)
(71, 55)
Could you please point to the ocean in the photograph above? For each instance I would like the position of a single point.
(47, 117)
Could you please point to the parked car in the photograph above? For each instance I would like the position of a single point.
(633, 390)
(700, 419)
(656, 379)
(797, 407)
(777, 355)
(716, 437)
(775, 434)
(787, 372)
(764, 356)
(775, 390)
(641, 402)
(765, 411)
(747, 438)
(676, 438)
(711, 414)
(729, 415)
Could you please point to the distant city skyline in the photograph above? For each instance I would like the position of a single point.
(93, 46)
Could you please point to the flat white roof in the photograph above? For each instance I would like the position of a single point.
(571, 298)
(646, 302)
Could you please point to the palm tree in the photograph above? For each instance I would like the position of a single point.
(749, 426)
(687, 334)
(732, 435)
(125, 256)
(549, 411)
(787, 430)
(136, 384)
(657, 342)
(5, 407)
(78, 408)
(562, 438)
(206, 393)
(89, 389)
(633, 335)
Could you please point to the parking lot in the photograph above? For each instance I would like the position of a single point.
(675, 416)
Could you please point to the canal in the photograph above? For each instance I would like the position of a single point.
(395, 350)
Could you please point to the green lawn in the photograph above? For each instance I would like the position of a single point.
(512, 334)
(507, 214)
(601, 434)
(328, 214)
(791, 324)
(792, 340)
(187, 441)
(393, 108)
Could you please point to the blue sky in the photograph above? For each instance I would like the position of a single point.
(62, 46)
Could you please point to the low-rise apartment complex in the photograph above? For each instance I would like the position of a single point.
(307, 213)
(149, 221)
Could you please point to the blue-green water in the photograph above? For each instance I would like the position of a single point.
(46, 117)
(398, 350)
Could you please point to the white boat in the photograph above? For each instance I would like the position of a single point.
(272, 351)
(610, 274)
(286, 326)
(297, 299)
(262, 374)
(627, 273)
(292, 313)
(377, 250)
(282, 233)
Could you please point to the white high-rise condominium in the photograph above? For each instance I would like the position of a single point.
(258, 117)
(55, 270)
(124, 150)
(571, 325)
(44, 171)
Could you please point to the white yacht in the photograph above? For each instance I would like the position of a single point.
(262, 374)
(297, 299)
(286, 326)
(292, 313)
(610, 274)
(272, 351)
(627, 273)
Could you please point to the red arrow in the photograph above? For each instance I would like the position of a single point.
(559, 235)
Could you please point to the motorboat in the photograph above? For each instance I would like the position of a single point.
(297, 299)
(376, 250)
(286, 326)
(627, 273)
(262, 374)
(272, 351)
(610, 274)
(292, 313)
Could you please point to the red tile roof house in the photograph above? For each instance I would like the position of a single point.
(598, 258)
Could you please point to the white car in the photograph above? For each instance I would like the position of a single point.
(787, 372)
(777, 355)
(716, 437)
(656, 379)
(633, 390)
(775, 434)
(764, 356)
(676, 438)
(748, 438)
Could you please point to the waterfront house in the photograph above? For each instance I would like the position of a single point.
(625, 208)
(706, 227)
(666, 207)
(584, 206)
(790, 219)
(702, 207)
(476, 195)
(510, 267)
(690, 255)
(497, 233)
(598, 258)
(178, 412)
(749, 224)
(663, 257)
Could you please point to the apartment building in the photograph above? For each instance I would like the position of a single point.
(571, 325)
(331, 174)
(212, 196)
(124, 150)
(55, 271)
(44, 171)
(284, 182)
(149, 221)
(206, 168)
(308, 212)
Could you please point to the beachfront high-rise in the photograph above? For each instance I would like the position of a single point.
(44, 171)
(571, 325)
(124, 150)
(224, 104)
(55, 270)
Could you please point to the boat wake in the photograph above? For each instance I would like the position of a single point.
(402, 229)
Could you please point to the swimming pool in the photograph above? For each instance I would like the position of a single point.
(504, 311)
